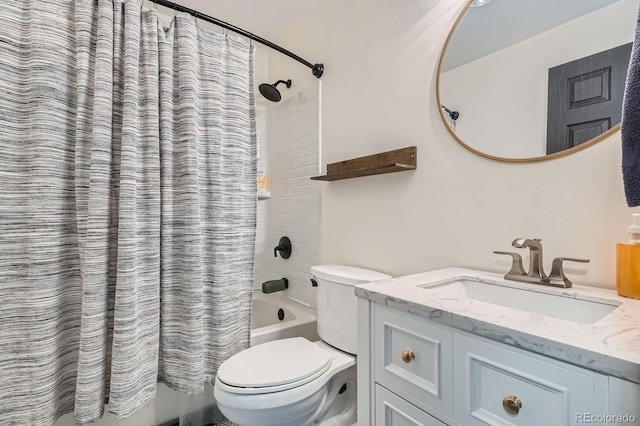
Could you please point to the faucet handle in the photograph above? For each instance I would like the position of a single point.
(557, 277)
(284, 247)
(516, 266)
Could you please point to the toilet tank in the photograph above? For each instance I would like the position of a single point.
(337, 303)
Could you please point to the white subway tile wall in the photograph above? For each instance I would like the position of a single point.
(290, 155)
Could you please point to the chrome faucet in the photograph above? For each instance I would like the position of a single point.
(536, 274)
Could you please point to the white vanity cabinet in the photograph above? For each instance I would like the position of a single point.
(413, 359)
(414, 371)
(497, 385)
(390, 409)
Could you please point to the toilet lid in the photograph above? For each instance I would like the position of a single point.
(283, 364)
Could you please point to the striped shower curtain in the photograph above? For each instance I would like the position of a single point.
(127, 206)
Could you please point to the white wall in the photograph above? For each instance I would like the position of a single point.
(293, 210)
(509, 87)
(378, 93)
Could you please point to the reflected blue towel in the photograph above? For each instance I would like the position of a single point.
(631, 126)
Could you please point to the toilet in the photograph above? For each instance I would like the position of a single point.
(295, 382)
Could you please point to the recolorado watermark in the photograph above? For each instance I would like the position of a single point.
(605, 418)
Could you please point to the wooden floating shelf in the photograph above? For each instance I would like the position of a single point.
(397, 167)
(398, 160)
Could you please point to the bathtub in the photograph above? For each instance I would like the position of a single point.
(297, 319)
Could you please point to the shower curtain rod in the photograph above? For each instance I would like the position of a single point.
(316, 69)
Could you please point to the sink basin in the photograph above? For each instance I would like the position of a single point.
(528, 300)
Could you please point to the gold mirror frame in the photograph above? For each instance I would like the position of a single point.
(580, 147)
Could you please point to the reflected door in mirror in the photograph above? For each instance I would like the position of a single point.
(585, 97)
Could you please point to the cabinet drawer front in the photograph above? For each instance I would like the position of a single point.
(391, 410)
(498, 386)
(424, 377)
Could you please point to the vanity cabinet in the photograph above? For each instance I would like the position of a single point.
(390, 409)
(414, 371)
(413, 359)
(497, 385)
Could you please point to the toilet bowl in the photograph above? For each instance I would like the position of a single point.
(295, 382)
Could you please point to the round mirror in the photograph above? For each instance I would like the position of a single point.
(529, 80)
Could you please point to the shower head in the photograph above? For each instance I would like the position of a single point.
(454, 115)
(270, 91)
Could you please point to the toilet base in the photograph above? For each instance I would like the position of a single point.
(343, 410)
(320, 402)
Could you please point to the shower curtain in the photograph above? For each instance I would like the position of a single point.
(127, 206)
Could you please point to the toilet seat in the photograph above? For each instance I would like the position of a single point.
(294, 406)
(274, 366)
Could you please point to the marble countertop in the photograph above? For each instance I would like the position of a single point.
(611, 345)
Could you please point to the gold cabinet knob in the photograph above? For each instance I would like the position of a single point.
(408, 356)
(512, 404)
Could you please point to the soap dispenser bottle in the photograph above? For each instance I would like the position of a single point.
(628, 262)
